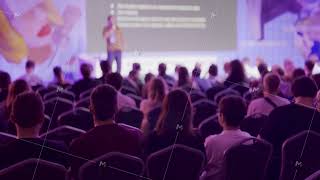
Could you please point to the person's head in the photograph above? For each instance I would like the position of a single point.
(30, 65)
(111, 20)
(162, 68)
(304, 87)
(298, 72)
(288, 67)
(237, 74)
(134, 75)
(308, 66)
(105, 67)
(232, 110)
(157, 89)
(271, 83)
(183, 76)
(176, 110)
(136, 67)
(5, 80)
(148, 77)
(27, 112)
(115, 80)
(86, 70)
(103, 103)
(196, 72)
(263, 69)
(213, 70)
(277, 70)
(17, 87)
(57, 72)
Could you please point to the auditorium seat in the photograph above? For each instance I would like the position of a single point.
(85, 94)
(185, 163)
(63, 133)
(211, 92)
(197, 95)
(292, 163)
(314, 176)
(35, 169)
(44, 90)
(113, 165)
(6, 138)
(85, 103)
(203, 109)
(128, 90)
(61, 93)
(253, 124)
(45, 124)
(247, 160)
(242, 89)
(210, 126)
(130, 116)
(224, 93)
(79, 117)
(55, 107)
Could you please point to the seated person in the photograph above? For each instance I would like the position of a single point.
(232, 111)
(106, 136)
(27, 115)
(115, 80)
(5, 81)
(105, 69)
(32, 79)
(288, 120)
(162, 70)
(271, 100)
(176, 117)
(134, 82)
(59, 79)
(87, 82)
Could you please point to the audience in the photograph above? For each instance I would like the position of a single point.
(134, 82)
(308, 67)
(115, 80)
(270, 99)
(87, 82)
(263, 70)
(213, 73)
(59, 79)
(157, 90)
(236, 76)
(176, 117)
(288, 120)
(27, 115)
(147, 79)
(298, 72)
(105, 69)
(198, 82)
(106, 136)
(5, 81)
(32, 79)
(232, 111)
(162, 70)
(184, 80)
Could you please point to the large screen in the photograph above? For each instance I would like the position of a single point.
(165, 25)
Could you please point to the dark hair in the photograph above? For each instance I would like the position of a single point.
(162, 68)
(213, 70)
(183, 76)
(132, 73)
(233, 109)
(136, 67)
(103, 102)
(105, 67)
(30, 64)
(263, 69)
(27, 110)
(5, 80)
(57, 71)
(237, 74)
(304, 87)
(148, 77)
(272, 81)
(85, 70)
(309, 65)
(115, 80)
(157, 89)
(17, 87)
(176, 109)
(298, 72)
(196, 72)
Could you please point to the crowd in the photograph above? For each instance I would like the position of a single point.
(286, 97)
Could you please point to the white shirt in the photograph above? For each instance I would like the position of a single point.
(125, 101)
(216, 146)
(261, 106)
(31, 79)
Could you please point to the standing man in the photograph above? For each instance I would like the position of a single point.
(114, 39)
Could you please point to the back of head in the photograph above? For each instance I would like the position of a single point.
(57, 71)
(176, 109)
(157, 89)
(298, 72)
(196, 72)
(30, 65)
(263, 69)
(304, 87)
(103, 102)
(136, 67)
(271, 83)
(27, 110)
(233, 109)
(86, 70)
(17, 87)
(5, 80)
(183, 76)
(148, 77)
(213, 70)
(237, 73)
(162, 68)
(309, 65)
(105, 67)
(115, 80)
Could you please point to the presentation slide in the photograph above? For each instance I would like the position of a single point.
(165, 25)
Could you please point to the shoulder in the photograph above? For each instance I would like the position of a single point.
(212, 139)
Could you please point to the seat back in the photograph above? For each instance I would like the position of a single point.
(6, 138)
(224, 93)
(55, 107)
(35, 169)
(63, 133)
(242, 89)
(79, 117)
(185, 163)
(210, 126)
(130, 116)
(203, 109)
(86, 93)
(300, 155)
(126, 89)
(253, 124)
(61, 93)
(197, 95)
(85, 103)
(214, 90)
(314, 176)
(247, 160)
(113, 165)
